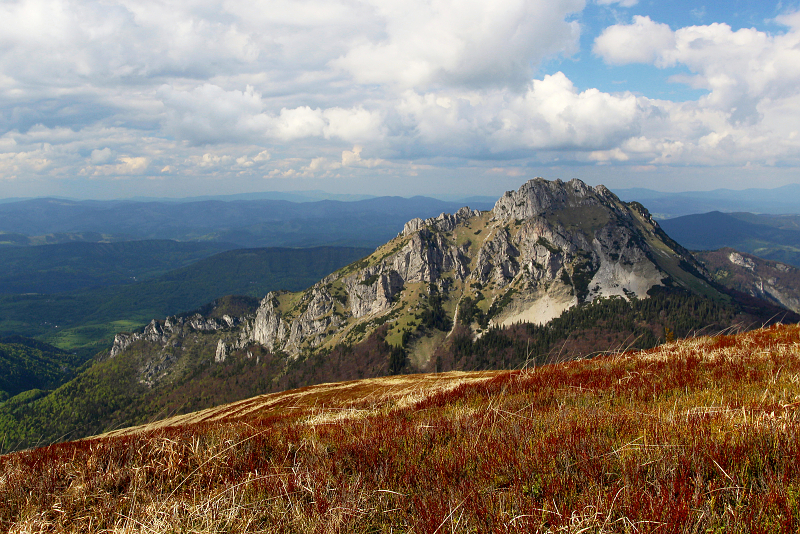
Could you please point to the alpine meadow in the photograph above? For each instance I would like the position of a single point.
(399, 266)
(555, 364)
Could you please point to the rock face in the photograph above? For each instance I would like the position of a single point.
(542, 249)
(538, 196)
(765, 279)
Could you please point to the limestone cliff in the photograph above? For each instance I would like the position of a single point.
(769, 280)
(546, 247)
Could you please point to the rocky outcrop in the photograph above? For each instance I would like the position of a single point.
(443, 223)
(537, 196)
(765, 279)
(543, 248)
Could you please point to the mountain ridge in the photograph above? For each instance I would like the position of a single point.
(247, 223)
(542, 249)
(579, 272)
(770, 237)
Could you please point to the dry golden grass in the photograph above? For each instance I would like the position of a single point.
(700, 435)
(330, 399)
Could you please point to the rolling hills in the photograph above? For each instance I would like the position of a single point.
(780, 200)
(76, 266)
(770, 237)
(27, 364)
(246, 223)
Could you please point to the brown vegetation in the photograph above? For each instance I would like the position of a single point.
(700, 435)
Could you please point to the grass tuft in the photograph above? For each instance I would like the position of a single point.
(699, 435)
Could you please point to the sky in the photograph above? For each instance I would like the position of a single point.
(122, 98)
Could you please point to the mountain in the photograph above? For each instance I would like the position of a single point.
(247, 223)
(698, 435)
(781, 200)
(768, 280)
(554, 271)
(292, 196)
(542, 249)
(770, 237)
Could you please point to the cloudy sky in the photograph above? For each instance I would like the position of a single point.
(117, 98)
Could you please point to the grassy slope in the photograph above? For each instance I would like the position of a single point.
(185, 378)
(695, 436)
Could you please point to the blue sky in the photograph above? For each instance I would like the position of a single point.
(440, 97)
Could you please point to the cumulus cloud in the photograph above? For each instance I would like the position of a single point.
(551, 115)
(210, 114)
(218, 88)
(100, 156)
(352, 158)
(125, 165)
(745, 71)
(461, 42)
(640, 42)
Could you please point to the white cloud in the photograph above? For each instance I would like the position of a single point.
(352, 158)
(296, 123)
(126, 165)
(460, 42)
(209, 114)
(621, 3)
(640, 42)
(357, 124)
(100, 156)
(744, 70)
(16, 164)
(551, 115)
(231, 88)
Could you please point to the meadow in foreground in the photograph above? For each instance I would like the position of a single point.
(700, 435)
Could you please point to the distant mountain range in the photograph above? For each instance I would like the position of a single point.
(781, 200)
(771, 237)
(245, 223)
(75, 266)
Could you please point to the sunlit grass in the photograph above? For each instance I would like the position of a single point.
(99, 335)
(699, 435)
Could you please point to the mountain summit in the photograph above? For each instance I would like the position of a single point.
(542, 249)
(554, 271)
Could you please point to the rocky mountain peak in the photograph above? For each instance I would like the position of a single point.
(538, 195)
(544, 248)
(445, 222)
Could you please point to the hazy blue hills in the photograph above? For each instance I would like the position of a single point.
(765, 236)
(292, 196)
(247, 223)
(85, 319)
(662, 205)
(83, 265)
